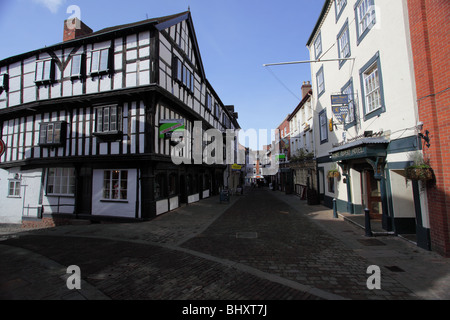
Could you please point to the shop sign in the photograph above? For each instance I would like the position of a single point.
(339, 99)
(349, 153)
(360, 152)
(236, 167)
(166, 127)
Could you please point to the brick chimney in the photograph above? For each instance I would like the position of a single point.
(74, 28)
(305, 88)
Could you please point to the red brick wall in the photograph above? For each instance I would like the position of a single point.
(285, 125)
(429, 27)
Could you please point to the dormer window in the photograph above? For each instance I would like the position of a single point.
(77, 66)
(45, 71)
(100, 61)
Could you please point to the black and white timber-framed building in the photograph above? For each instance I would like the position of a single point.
(80, 123)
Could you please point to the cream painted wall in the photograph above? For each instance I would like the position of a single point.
(388, 38)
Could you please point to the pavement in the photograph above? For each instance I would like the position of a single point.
(263, 245)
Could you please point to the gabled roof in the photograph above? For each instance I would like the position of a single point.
(305, 98)
(160, 23)
(159, 20)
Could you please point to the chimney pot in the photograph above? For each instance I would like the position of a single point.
(75, 28)
(305, 88)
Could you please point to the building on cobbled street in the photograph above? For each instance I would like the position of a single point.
(87, 124)
(369, 133)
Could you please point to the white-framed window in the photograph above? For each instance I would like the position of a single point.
(76, 66)
(61, 181)
(44, 71)
(100, 61)
(115, 185)
(340, 5)
(365, 17)
(52, 133)
(14, 188)
(320, 82)
(344, 43)
(318, 45)
(323, 126)
(372, 88)
(108, 119)
(348, 90)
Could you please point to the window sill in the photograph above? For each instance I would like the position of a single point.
(50, 145)
(113, 201)
(44, 82)
(374, 113)
(100, 74)
(109, 136)
(60, 195)
(77, 77)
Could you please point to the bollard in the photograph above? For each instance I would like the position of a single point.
(335, 215)
(368, 227)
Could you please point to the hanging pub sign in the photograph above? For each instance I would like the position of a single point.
(167, 126)
(340, 113)
(339, 99)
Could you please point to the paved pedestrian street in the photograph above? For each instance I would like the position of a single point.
(262, 245)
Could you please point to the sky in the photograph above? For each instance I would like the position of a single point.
(235, 37)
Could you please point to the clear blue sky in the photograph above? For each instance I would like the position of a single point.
(236, 37)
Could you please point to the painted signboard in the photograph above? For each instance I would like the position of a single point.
(340, 113)
(170, 125)
(339, 99)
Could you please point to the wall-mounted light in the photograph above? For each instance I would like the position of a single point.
(420, 125)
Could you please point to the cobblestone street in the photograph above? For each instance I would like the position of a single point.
(263, 245)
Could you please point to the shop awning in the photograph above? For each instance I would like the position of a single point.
(362, 148)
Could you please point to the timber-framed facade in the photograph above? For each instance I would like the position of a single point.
(81, 124)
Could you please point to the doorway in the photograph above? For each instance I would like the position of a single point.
(84, 191)
(183, 195)
(371, 194)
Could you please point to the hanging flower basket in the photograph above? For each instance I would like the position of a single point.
(422, 173)
(333, 174)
